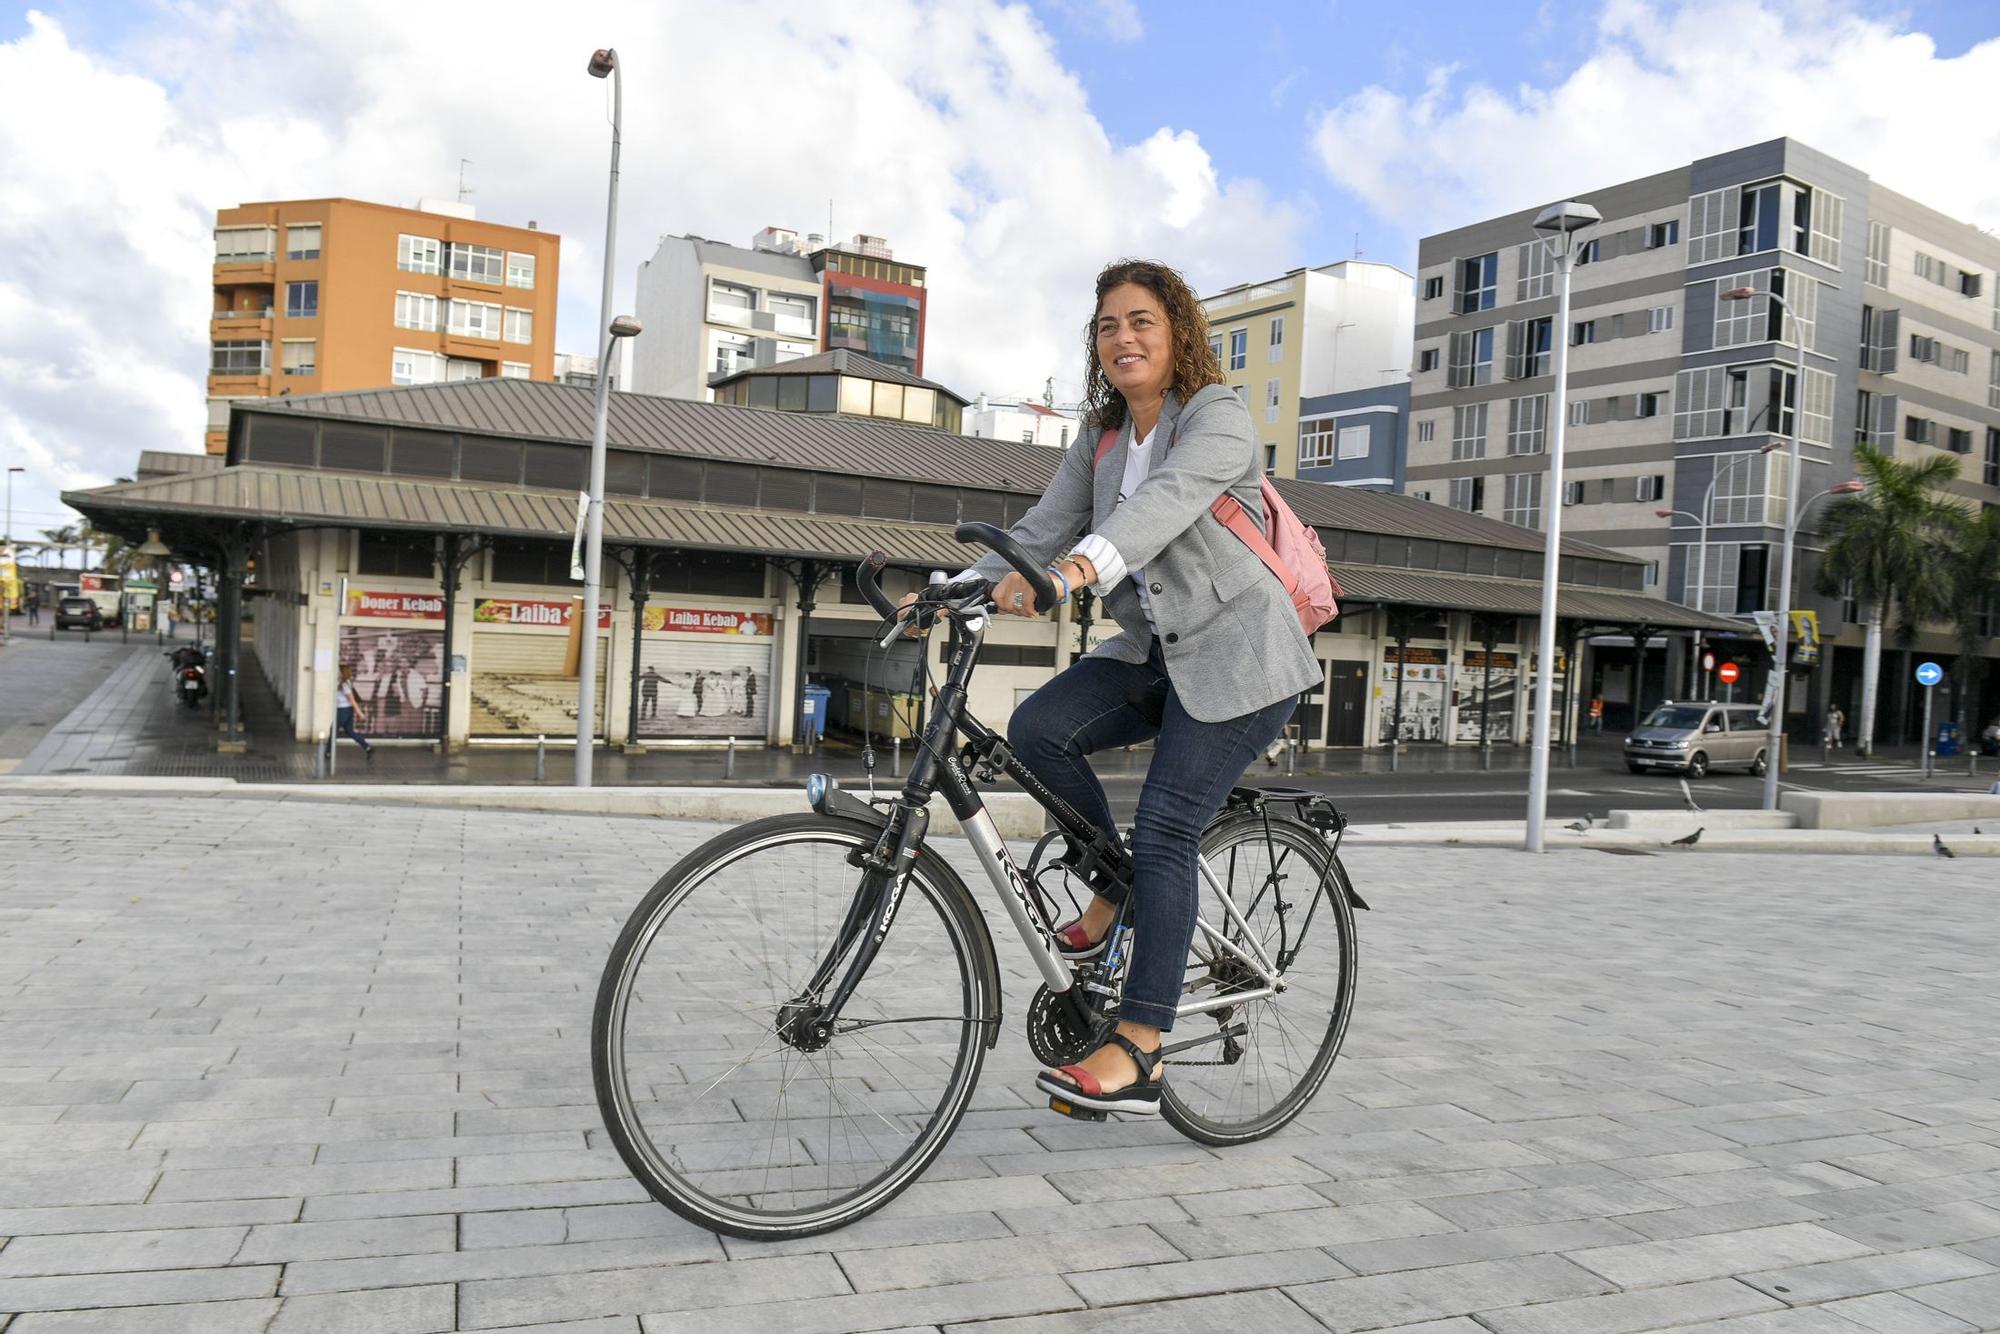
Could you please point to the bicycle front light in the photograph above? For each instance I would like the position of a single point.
(817, 786)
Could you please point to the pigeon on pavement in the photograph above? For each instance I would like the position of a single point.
(1938, 847)
(1690, 840)
(1580, 826)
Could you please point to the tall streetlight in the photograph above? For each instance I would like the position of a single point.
(8, 537)
(603, 64)
(1781, 632)
(1562, 222)
(1701, 552)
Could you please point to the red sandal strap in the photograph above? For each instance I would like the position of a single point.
(1074, 937)
(1086, 1083)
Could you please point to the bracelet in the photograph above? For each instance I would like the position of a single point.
(1064, 582)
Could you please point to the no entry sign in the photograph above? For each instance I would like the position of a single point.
(1728, 673)
(1708, 662)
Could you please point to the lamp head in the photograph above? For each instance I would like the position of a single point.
(1767, 448)
(153, 546)
(1568, 216)
(624, 326)
(602, 62)
(1740, 294)
(1847, 488)
(1663, 514)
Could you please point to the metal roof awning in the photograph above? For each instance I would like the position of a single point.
(282, 498)
(1518, 597)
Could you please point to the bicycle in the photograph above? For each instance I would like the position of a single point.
(773, 1061)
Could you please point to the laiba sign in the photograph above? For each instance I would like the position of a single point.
(534, 612)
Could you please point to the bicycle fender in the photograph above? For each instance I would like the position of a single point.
(831, 799)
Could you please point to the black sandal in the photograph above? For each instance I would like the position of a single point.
(1084, 1094)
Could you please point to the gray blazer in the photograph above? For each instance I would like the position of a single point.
(1230, 637)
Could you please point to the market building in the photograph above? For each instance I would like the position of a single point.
(422, 535)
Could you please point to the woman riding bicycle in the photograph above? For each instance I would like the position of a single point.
(1210, 657)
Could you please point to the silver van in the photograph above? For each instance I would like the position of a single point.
(1694, 738)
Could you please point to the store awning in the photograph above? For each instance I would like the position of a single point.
(1465, 592)
(285, 498)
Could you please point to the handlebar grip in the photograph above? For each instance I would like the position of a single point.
(1003, 542)
(865, 580)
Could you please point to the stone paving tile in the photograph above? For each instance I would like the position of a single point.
(99, 1252)
(1905, 1228)
(944, 1263)
(878, 1310)
(1378, 1300)
(1625, 1312)
(1266, 1312)
(1718, 1254)
(1737, 1217)
(290, 1243)
(1976, 1300)
(701, 1290)
(1893, 1313)
(1306, 1227)
(239, 1317)
(1199, 1278)
(1381, 1257)
(1866, 1274)
(75, 1292)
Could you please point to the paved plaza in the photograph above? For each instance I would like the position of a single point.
(291, 1066)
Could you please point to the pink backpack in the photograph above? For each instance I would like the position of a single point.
(1288, 547)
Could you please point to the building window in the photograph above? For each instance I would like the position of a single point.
(1277, 338)
(1993, 379)
(1757, 219)
(791, 314)
(1316, 442)
(1270, 456)
(1659, 319)
(1433, 287)
(1992, 475)
(1270, 401)
(416, 310)
(1242, 392)
(1652, 486)
(1958, 440)
(1663, 234)
(1712, 226)
(1528, 424)
(410, 365)
(300, 356)
(301, 301)
(302, 241)
(1579, 412)
(1478, 283)
(473, 319)
(1584, 331)
(1471, 359)
(1467, 493)
(730, 304)
(1572, 493)
(245, 245)
(1651, 403)
(1876, 269)
(1919, 430)
(1923, 348)
(239, 357)
(1969, 284)
(1522, 503)
(1426, 430)
(1538, 271)
(1468, 431)
(1926, 267)
(1427, 359)
(418, 254)
(1353, 443)
(520, 269)
(1816, 223)
(476, 263)
(1588, 252)
(515, 370)
(517, 325)
(1239, 349)
(1537, 347)
(457, 369)
(1215, 346)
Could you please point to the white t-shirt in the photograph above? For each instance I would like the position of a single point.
(1138, 464)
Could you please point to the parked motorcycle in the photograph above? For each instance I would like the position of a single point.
(190, 668)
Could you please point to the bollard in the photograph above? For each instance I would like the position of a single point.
(319, 758)
(1485, 753)
(1291, 757)
(332, 751)
(541, 755)
(729, 760)
(1395, 753)
(896, 757)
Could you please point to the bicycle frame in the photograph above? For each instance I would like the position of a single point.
(939, 767)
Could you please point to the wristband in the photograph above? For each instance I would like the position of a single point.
(1064, 582)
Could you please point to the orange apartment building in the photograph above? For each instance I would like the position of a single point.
(315, 296)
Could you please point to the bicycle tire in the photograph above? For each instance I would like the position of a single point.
(1191, 1100)
(690, 1189)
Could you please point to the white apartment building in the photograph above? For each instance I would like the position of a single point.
(709, 309)
(1021, 419)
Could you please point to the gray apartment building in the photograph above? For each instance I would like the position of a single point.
(1673, 390)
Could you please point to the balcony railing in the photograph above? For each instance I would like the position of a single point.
(252, 313)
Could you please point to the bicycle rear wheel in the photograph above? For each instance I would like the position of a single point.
(1265, 1058)
(723, 1119)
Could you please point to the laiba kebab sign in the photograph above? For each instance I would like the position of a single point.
(548, 614)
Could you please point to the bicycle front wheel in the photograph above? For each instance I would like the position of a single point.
(1267, 1055)
(722, 1117)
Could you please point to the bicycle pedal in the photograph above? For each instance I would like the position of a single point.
(1076, 1113)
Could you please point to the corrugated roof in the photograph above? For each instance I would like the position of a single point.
(840, 361)
(294, 498)
(831, 442)
(168, 463)
(1469, 592)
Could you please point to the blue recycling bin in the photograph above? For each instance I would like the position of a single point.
(816, 698)
(1949, 738)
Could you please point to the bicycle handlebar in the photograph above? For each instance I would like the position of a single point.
(1003, 543)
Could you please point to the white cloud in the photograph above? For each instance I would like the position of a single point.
(950, 128)
(1667, 84)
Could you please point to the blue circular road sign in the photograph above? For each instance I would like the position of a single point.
(1929, 673)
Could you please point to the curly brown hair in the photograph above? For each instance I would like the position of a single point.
(1195, 365)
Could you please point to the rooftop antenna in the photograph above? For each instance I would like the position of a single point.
(463, 189)
(1357, 245)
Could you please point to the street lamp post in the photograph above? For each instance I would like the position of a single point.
(1781, 632)
(8, 537)
(603, 64)
(1562, 222)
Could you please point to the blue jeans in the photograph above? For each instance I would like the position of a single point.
(1100, 703)
(343, 726)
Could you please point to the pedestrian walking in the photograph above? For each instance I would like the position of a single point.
(1209, 661)
(1597, 714)
(167, 617)
(347, 710)
(34, 607)
(1836, 721)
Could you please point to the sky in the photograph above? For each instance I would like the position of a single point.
(1012, 148)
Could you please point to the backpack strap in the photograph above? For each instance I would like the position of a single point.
(1229, 512)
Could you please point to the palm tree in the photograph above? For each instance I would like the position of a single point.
(59, 539)
(1975, 598)
(1888, 545)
